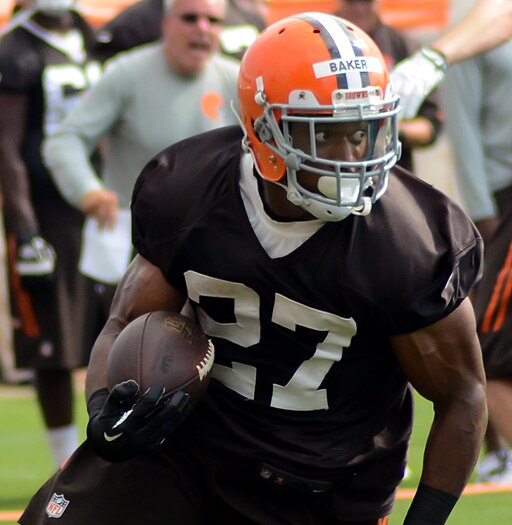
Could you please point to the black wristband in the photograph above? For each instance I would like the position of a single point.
(430, 506)
(97, 401)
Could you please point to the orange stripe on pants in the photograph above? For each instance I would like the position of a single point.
(26, 313)
(500, 296)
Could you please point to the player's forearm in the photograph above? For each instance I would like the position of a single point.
(451, 452)
(487, 25)
(142, 289)
(455, 440)
(461, 43)
(97, 369)
(19, 213)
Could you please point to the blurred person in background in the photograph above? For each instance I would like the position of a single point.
(46, 62)
(423, 129)
(146, 99)
(486, 25)
(479, 126)
(9, 373)
(141, 23)
(21, 4)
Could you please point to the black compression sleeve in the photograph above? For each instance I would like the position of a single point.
(430, 506)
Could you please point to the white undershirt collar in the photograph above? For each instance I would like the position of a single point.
(277, 238)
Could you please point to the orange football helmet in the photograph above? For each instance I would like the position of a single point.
(317, 69)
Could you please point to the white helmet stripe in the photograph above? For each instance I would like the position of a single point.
(348, 67)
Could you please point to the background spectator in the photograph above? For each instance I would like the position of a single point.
(487, 25)
(479, 126)
(147, 99)
(46, 61)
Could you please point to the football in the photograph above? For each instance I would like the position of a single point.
(163, 348)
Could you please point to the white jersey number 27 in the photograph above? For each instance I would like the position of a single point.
(302, 392)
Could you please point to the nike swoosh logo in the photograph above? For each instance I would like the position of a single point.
(108, 438)
(111, 438)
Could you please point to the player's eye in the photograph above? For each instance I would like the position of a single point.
(323, 136)
(358, 136)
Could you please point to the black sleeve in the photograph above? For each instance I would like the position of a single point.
(443, 257)
(20, 66)
(137, 25)
(175, 189)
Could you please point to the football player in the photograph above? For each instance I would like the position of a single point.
(46, 62)
(328, 281)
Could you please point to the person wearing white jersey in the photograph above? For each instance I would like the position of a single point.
(46, 61)
(146, 99)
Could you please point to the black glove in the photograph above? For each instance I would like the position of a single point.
(35, 260)
(121, 426)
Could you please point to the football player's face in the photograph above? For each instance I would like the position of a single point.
(191, 31)
(333, 141)
(347, 142)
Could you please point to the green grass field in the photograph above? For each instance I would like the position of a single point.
(25, 462)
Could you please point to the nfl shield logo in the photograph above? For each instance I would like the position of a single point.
(56, 506)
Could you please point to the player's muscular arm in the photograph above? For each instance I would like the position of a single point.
(124, 422)
(19, 213)
(443, 362)
(142, 289)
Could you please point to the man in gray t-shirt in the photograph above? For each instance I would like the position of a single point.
(146, 99)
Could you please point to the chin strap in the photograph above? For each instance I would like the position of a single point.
(364, 209)
(312, 207)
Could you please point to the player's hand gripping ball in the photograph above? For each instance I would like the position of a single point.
(158, 369)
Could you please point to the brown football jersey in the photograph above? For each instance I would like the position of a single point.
(304, 379)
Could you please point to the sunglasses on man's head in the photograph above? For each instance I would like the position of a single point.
(193, 18)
